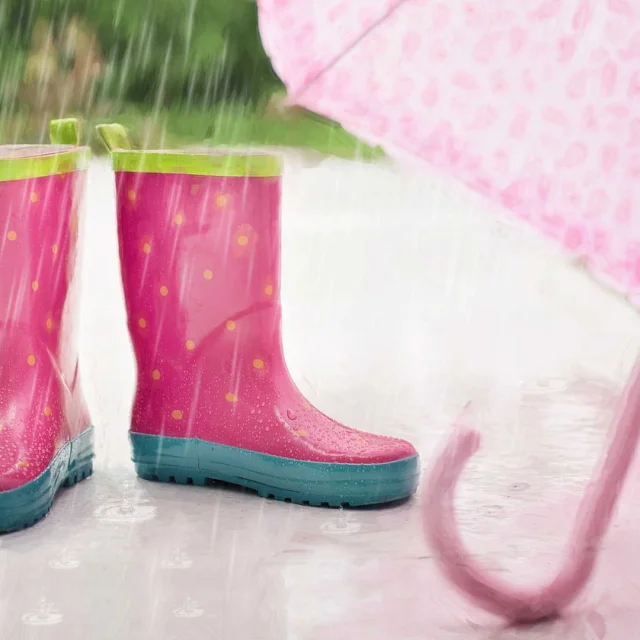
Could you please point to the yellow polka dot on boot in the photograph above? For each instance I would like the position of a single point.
(142, 323)
(258, 363)
(221, 200)
(54, 249)
(178, 219)
(155, 374)
(269, 290)
(231, 397)
(191, 345)
(243, 240)
(47, 411)
(23, 464)
(146, 248)
(208, 274)
(164, 291)
(34, 197)
(35, 285)
(176, 414)
(231, 325)
(131, 194)
(31, 360)
(12, 235)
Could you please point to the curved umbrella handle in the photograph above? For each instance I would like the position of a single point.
(519, 605)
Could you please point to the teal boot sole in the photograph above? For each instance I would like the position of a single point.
(193, 461)
(25, 506)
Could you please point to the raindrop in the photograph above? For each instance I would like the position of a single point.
(124, 511)
(342, 525)
(46, 615)
(64, 561)
(178, 560)
(190, 609)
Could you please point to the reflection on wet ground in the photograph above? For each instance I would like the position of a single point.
(403, 301)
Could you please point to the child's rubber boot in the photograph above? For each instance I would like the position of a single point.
(200, 257)
(46, 438)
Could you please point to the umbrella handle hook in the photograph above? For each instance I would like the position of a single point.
(528, 605)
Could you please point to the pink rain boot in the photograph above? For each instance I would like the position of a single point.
(46, 438)
(200, 251)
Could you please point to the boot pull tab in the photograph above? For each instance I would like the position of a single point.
(114, 137)
(65, 131)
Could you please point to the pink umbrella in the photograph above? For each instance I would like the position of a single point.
(535, 104)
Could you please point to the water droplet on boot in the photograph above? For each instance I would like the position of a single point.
(291, 415)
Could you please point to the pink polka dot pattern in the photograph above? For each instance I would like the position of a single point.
(534, 104)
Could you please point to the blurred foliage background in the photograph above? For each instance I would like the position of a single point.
(174, 71)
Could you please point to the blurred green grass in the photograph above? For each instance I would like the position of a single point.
(226, 125)
(236, 125)
(175, 73)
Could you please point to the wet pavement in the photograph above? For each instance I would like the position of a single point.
(405, 297)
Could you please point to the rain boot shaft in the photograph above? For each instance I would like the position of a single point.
(45, 435)
(200, 251)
